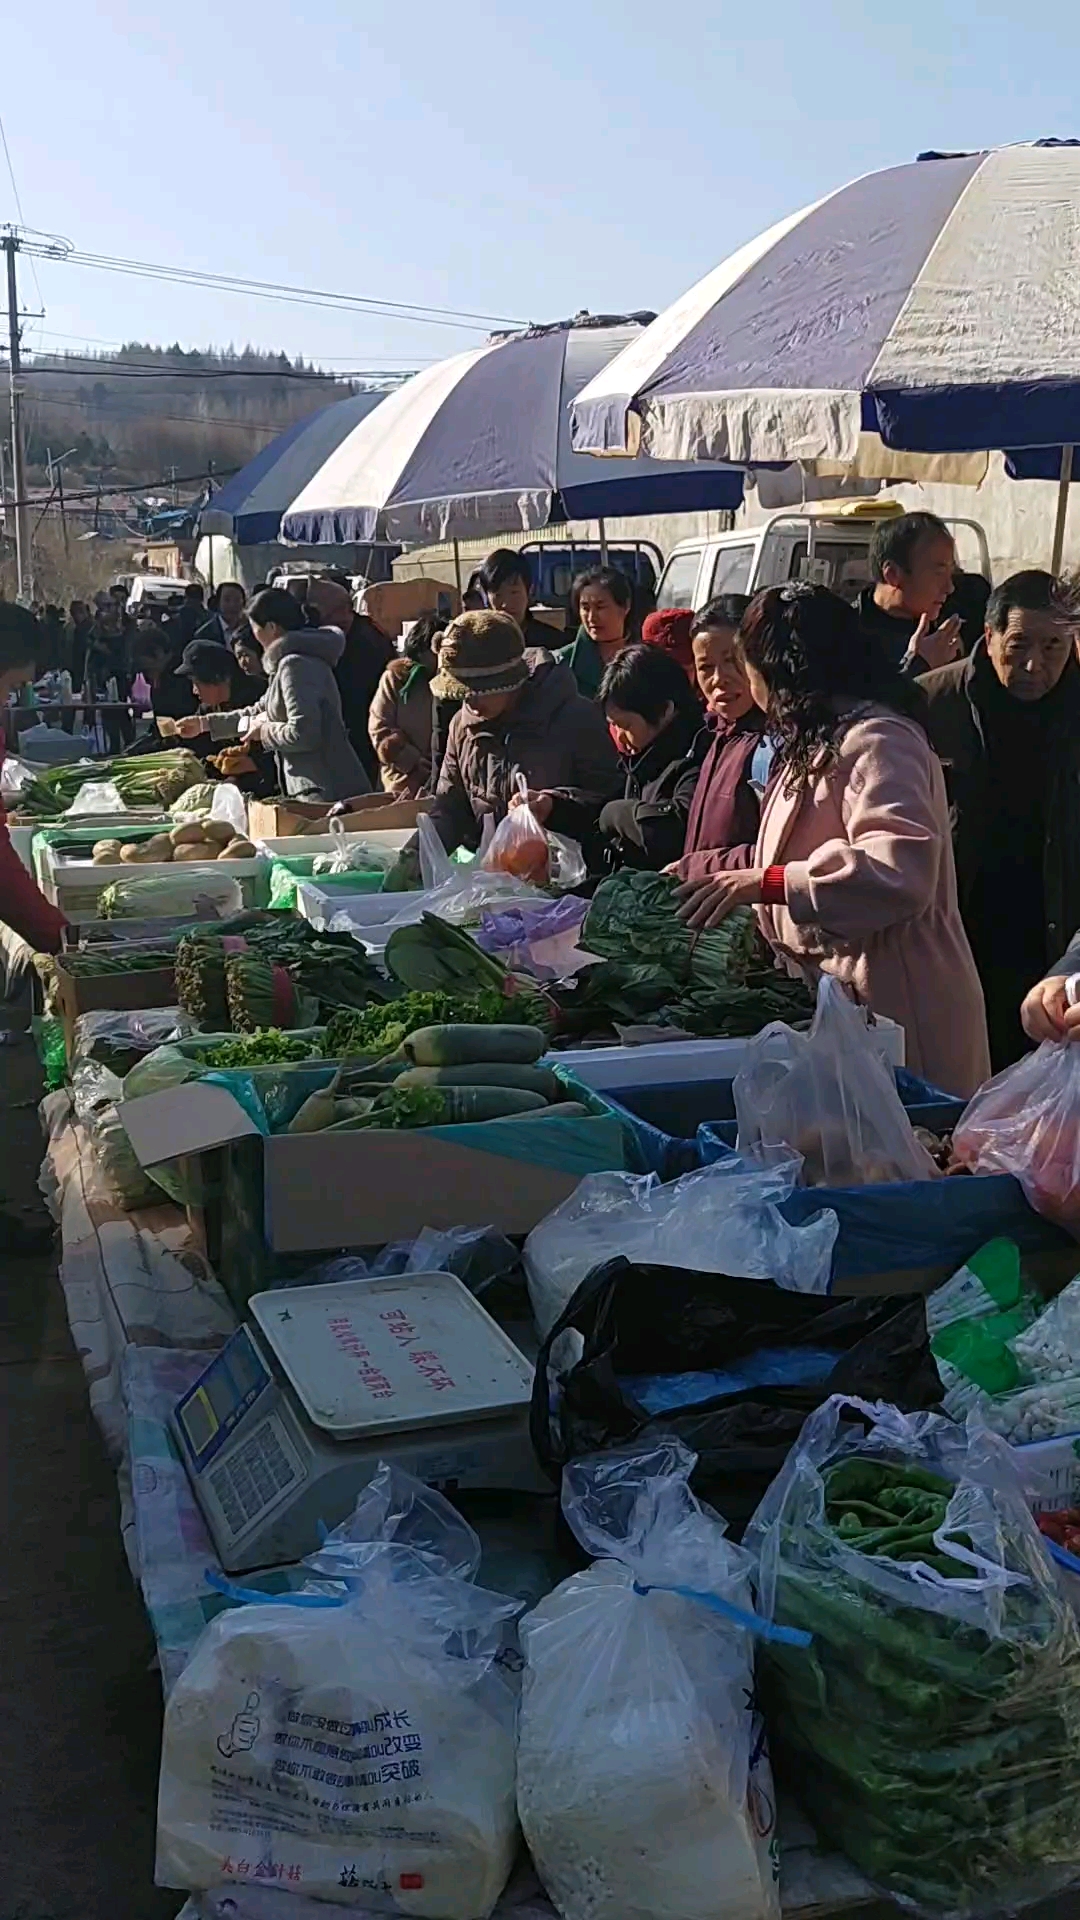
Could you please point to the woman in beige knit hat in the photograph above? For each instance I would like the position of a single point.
(521, 718)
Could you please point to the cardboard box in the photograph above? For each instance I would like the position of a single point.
(283, 819)
(125, 992)
(325, 1191)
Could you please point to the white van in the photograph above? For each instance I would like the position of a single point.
(831, 550)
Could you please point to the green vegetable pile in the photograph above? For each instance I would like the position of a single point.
(278, 972)
(266, 1047)
(147, 780)
(98, 961)
(380, 1029)
(653, 969)
(932, 1728)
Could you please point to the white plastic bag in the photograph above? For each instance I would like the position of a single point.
(97, 796)
(355, 1742)
(644, 1787)
(229, 805)
(436, 865)
(725, 1218)
(15, 774)
(830, 1095)
(1026, 1121)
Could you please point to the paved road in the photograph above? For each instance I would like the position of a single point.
(79, 1701)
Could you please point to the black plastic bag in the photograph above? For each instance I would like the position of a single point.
(638, 1319)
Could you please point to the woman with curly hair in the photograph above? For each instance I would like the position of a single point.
(853, 870)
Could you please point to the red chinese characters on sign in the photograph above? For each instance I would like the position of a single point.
(371, 1374)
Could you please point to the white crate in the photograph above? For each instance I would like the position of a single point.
(75, 886)
(676, 1062)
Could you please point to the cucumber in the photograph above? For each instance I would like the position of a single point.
(459, 1045)
(497, 1073)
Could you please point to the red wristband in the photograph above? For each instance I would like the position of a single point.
(772, 888)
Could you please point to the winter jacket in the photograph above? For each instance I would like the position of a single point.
(647, 827)
(407, 773)
(552, 737)
(302, 708)
(584, 659)
(870, 892)
(894, 631)
(726, 810)
(366, 655)
(23, 906)
(957, 698)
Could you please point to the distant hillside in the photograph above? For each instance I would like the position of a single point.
(141, 411)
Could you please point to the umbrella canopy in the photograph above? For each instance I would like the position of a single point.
(933, 306)
(248, 508)
(480, 445)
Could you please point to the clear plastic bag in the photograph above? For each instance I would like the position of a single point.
(121, 1181)
(830, 1096)
(109, 1036)
(436, 866)
(1026, 1121)
(519, 844)
(541, 939)
(644, 1788)
(721, 1219)
(349, 855)
(359, 1734)
(931, 1725)
(15, 774)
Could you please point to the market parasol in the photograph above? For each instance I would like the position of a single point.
(480, 445)
(932, 307)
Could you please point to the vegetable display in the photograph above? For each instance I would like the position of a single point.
(447, 1076)
(653, 969)
(277, 973)
(432, 957)
(266, 1047)
(160, 896)
(380, 1029)
(146, 780)
(213, 840)
(932, 1727)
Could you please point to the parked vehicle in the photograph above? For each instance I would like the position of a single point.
(831, 550)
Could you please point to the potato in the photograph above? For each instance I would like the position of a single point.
(188, 836)
(107, 850)
(106, 859)
(131, 850)
(219, 831)
(205, 850)
(159, 846)
(237, 850)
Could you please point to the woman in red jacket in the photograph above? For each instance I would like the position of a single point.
(23, 906)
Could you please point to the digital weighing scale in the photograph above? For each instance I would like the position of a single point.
(292, 1417)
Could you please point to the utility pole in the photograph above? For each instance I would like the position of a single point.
(10, 244)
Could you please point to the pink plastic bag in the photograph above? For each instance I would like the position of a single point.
(1026, 1122)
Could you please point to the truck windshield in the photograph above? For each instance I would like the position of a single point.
(679, 583)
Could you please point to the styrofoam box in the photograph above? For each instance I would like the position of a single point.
(319, 905)
(75, 886)
(609, 1068)
(1052, 1470)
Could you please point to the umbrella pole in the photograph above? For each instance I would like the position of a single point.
(602, 530)
(1062, 508)
(457, 566)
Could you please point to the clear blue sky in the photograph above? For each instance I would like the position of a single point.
(514, 161)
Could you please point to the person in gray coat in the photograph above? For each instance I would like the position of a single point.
(299, 716)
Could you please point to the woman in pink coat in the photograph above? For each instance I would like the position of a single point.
(853, 870)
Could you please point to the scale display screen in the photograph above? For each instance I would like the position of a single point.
(211, 1410)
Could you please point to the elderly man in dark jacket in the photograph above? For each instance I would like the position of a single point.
(521, 718)
(1006, 724)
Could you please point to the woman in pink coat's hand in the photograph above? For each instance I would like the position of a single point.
(853, 870)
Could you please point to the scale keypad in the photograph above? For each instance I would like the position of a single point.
(250, 1479)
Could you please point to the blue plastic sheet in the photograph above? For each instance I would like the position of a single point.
(769, 1367)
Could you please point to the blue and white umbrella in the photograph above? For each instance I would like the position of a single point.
(934, 306)
(480, 445)
(248, 508)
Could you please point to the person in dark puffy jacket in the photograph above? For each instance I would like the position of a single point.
(655, 720)
(23, 907)
(521, 718)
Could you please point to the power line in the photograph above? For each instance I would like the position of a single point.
(269, 289)
(107, 409)
(18, 204)
(134, 370)
(133, 486)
